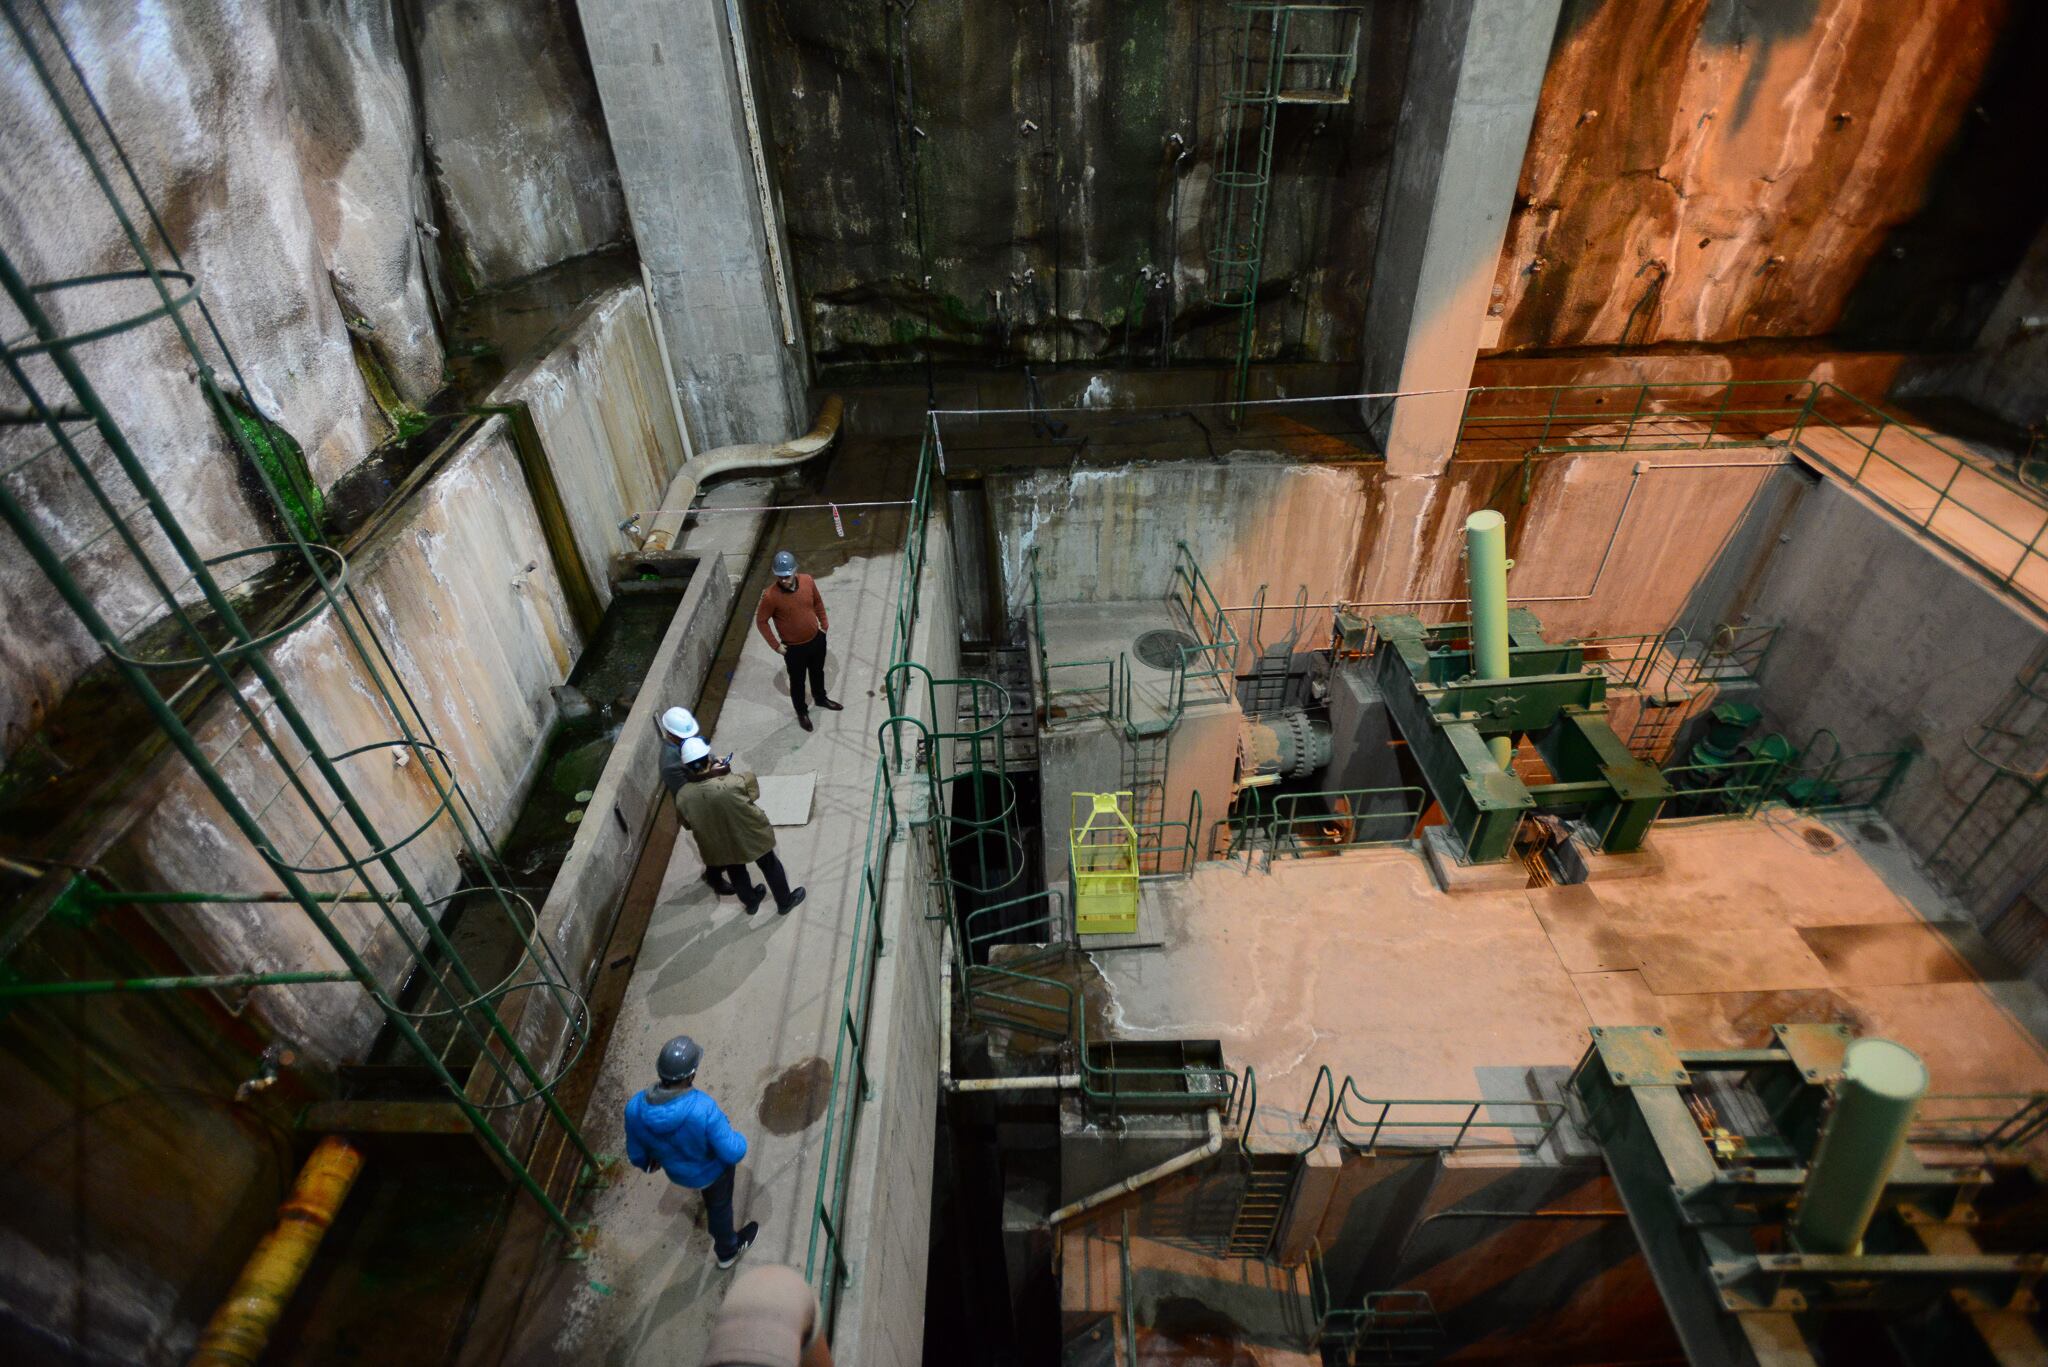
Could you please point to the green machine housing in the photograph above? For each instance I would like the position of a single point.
(1552, 696)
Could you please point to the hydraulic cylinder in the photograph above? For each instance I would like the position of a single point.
(1880, 1089)
(1486, 568)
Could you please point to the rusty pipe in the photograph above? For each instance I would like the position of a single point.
(240, 1328)
(731, 460)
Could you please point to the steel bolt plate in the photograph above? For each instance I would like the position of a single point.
(1639, 1056)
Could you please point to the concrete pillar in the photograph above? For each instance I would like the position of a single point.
(1315, 1187)
(1475, 69)
(677, 112)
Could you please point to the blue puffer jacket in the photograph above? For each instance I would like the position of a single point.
(683, 1133)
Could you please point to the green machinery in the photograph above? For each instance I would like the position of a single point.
(1784, 1216)
(1448, 716)
(1461, 693)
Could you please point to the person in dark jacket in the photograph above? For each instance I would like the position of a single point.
(718, 807)
(683, 1132)
(792, 619)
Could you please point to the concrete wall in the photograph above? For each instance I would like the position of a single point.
(1890, 642)
(580, 908)
(600, 403)
(888, 1223)
(519, 148)
(476, 638)
(2007, 373)
(1109, 534)
(673, 104)
(1065, 188)
(286, 151)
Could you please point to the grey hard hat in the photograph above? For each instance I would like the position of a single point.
(679, 1059)
(784, 564)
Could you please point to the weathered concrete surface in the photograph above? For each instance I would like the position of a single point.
(478, 639)
(1356, 962)
(222, 170)
(599, 401)
(109, 1098)
(1109, 535)
(1061, 219)
(1657, 521)
(1475, 70)
(2007, 373)
(1890, 642)
(1703, 172)
(357, 139)
(577, 916)
(283, 149)
(764, 995)
(517, 144)
(672, 103)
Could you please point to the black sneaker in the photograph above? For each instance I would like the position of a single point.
(796, 899)
(803, 719)
(746, 1236)
(831, 706)
(753, 904)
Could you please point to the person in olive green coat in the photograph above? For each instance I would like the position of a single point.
(718, 807)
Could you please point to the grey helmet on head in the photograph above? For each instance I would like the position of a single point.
(679, 1059)
(784, 564)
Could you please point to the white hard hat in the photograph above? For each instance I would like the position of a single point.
(678, 724)
(695, 749)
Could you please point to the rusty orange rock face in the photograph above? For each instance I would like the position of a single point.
(1713, 170)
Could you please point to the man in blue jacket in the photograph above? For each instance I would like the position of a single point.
(682, 1131)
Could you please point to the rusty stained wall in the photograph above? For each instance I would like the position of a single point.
(1049, 187)
(1620, 543)
(1713, 170)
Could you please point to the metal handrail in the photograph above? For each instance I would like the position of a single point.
(1552, 1112)
(1744, 786)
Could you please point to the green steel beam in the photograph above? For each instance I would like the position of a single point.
(208, 982)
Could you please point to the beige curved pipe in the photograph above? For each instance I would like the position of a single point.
(731, 460)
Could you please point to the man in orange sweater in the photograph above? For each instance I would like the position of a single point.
(792, 620)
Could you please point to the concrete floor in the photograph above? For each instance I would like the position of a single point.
(760, 993)
(1358, 963)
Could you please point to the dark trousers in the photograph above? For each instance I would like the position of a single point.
(808, 658)
(718, 1211)
(735, 876)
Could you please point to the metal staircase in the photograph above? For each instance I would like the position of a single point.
(1145, 762)
(1283, 54)
(1268, 1186)
(1976, 854)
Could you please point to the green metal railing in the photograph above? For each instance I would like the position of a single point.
(1340, 819)
(1069, 688)
(1826, 779)
(1627, 660)
(1989, 514)
(1387, 1329)
(218, 653)
(1738, 789)
(1733, 654)
(1406, 1118)
(1983, 1120)
(1630, 417)
(826, 1263)
(1978, 509)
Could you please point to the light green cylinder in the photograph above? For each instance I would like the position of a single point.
(1881, 1087)
(1486, 567)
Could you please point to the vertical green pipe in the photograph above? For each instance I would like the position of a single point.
(1881, 1087)
(1486, 567)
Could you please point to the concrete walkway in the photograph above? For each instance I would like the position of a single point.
(761, 993)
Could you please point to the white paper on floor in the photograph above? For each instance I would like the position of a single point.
(787, 798)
